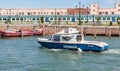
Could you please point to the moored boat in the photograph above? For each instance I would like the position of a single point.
(38, 31)
(27, 32)
(73, 40)
(10, 33)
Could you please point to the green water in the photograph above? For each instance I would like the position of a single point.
(25, 54)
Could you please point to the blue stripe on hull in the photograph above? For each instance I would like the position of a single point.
(84, 47)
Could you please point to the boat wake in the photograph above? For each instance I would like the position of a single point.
(112, 51)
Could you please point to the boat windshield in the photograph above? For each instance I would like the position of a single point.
(56, 38)
(50, 38)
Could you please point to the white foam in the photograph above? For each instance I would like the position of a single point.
(113, 51)
(56, 50)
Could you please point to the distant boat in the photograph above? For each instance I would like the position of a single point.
(27, 32)
(73, 40)
(0, 33)
(38, 31)
(10, 33)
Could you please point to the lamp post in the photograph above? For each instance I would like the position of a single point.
(55, 16)
(93, 18)
(79, 13)
(87, 14)
(76, 10)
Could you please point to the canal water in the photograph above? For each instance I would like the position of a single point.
(25, 54)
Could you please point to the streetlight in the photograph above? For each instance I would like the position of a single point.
(79, 13)
(76, 10)
(55, 16)
(87, 14)
(93, 18)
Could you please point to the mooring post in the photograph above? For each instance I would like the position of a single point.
(85, 30)
(95, 36)
(21, 33)
(109, 34)
(82, 29)
(106, 31)
(55, 29)
(119, 31)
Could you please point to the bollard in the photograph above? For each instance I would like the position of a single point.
(81, 29)
(119, 31)
(95, 35)
(109, 34)
(21, 33)
(106, 31)
(55, 29)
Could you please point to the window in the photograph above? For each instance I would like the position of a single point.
(79, 38)
(93, 5)
(65, 13)
(108, 18)
(106, 13)
(34, 13)
(64, 18)
(68, 18)
(100, 13)
(13, 18)
(57, 13)
(55, 18)
(66, 38)
(38, 13)
(104, 18)
(21, 19)
(0, 18)
(17, 18)
(88, 13)
(38, 19)
(28, 13)
(33, 19)
(112, 13)
(51, 18)
(22, 13)
(4, 18)
(51, 13)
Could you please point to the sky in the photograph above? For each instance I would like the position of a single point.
(55, 3)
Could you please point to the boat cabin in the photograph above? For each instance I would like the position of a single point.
(67, 38)
(69, 31)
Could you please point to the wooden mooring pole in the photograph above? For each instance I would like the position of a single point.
(109, 34)
(119, 31)
(95, 36)
(106, 31)
(55, 29)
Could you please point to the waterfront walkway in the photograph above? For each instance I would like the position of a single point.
(86, 30)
